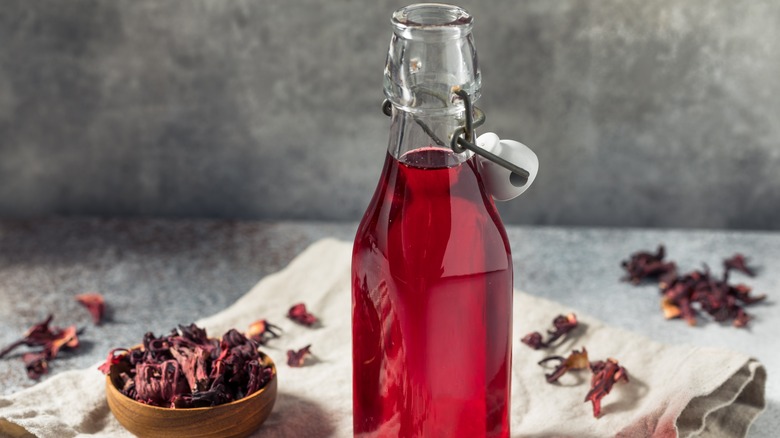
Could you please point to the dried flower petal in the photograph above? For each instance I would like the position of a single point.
(37, 364)
(113, 359)
(52, 339)
(738, 263)
(562, 325)
(643, 265)
(684, 296)
(577, 360)
(186, 369)
(742, 293)
(64, 338)
(95, 305)
(605, 375)
(299, 314)
(533, 340)
(670, 310)
(37, 335)
(261, 331)
(297, 358)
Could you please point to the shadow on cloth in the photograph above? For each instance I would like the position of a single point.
(297, 416)
(629, 396)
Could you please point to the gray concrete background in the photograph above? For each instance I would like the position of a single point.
(662, 113)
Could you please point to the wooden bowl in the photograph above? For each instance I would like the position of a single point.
(236, 419)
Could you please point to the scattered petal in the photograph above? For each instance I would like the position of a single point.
(577, 360)
(95, 304)
(299, 314)
(112, 360)
(685, 296)
(533, 340)
(261, 331)
(37, 364)
(605, 375)
(297, 358)
(645, 265)
(562, 324)
(52, 339)
(67, 337)
(670, 310)
(738, 263)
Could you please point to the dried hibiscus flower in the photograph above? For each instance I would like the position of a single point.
(562, 324)
(605, 374)
(684, 296)
(95, 304)
(187, 369)
(299, 314)
(261, 331)
(36, 364)
(646, 265)
(52, 339)
(297, 358)
(738, 263)
(577, 360)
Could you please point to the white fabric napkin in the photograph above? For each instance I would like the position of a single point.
(674, 390)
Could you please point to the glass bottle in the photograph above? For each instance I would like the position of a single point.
(431, 266)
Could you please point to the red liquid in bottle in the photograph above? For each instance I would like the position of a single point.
(431, 304)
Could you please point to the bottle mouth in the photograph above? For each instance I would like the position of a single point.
(420, 19)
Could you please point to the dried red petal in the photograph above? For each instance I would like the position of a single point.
(684, 296)
(738, 263)
(562, 324)
(261, 331)
(95, 305)
(37, 364)
(577, 360)
(113, 359)
(299, 314)
(533, 340)
(52, 339)
(605, 375)
(645, 265)
(670, 310)
(297, 358)
(67, 337)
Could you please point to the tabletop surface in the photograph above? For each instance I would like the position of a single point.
(156, 274)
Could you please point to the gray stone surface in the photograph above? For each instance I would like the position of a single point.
(156, 274)
(654, 114)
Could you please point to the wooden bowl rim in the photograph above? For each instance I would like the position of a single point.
(266, 361)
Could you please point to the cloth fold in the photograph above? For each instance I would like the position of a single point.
(674, 390)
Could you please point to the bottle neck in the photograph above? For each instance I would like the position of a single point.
(431, 56)
(417, 132)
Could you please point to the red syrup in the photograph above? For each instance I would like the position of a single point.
(431, 304)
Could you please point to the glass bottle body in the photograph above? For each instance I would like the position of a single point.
(431, 296)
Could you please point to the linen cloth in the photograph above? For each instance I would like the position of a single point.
(673, 391)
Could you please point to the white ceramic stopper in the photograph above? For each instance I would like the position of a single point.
(498, 180)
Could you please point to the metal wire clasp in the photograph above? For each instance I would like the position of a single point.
(464, 137)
